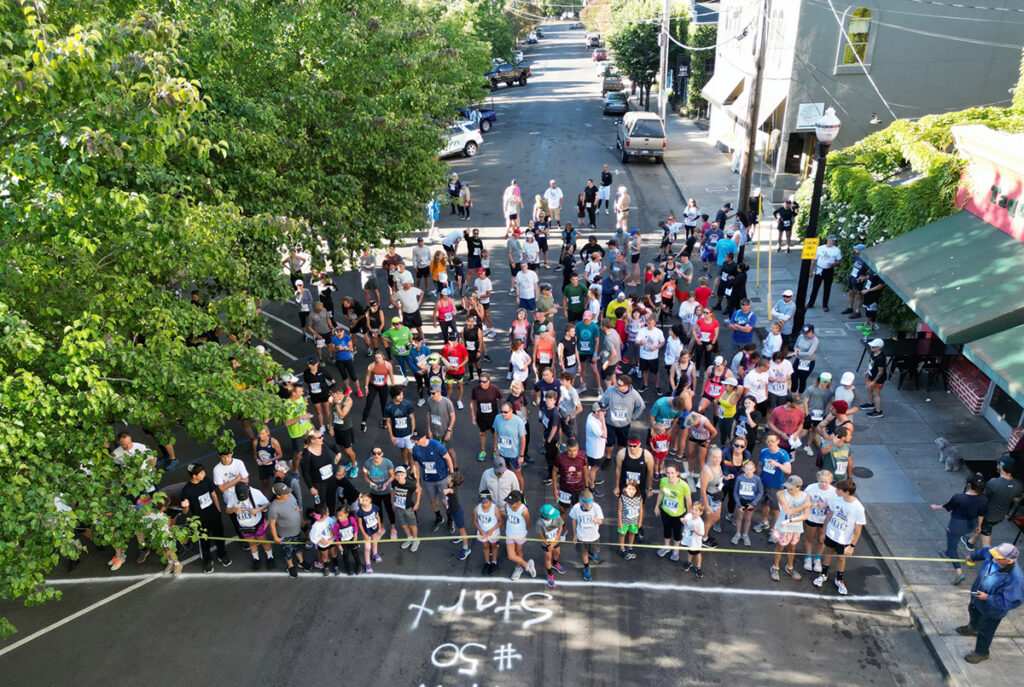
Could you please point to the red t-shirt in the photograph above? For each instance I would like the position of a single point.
(620, 327)
(456, 355)
(789, 421)
(570, 471)
(706, 330)
(702, 294)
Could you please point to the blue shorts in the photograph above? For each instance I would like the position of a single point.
(511, 463)
(528, 303)
(291, 546)
(458, 519)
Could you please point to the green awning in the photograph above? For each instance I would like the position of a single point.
(1001, 357)
(962, 276)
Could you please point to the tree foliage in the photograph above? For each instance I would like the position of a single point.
(701, 35)
(635, 25)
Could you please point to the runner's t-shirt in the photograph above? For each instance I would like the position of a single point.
(587, 335)
(201, 500)
(570, 472)
(488, 401)
(404, 495)
(771, 476)
(401, 340)
(673, 497)
(576, 298)
(587, 527)
(399, 414)
(649, 341)
(846, 515)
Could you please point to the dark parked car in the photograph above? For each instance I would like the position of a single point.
(615, 102)
(482, 118)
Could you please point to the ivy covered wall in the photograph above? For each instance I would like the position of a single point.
(701, 35)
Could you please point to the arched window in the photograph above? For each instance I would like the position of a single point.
(859, 30)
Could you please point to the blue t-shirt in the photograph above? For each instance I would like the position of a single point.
(370, 519)
(508, 433)
(662, 410)
(586, 336)
(433, 466)
(724, 247)
(742, 318)
(772, 476)
(345, 340)
(399, 414)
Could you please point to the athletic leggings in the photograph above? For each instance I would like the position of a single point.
(447, 329)
(348, 550)
(702, 357)
(381, 392)
(672, 526)
(550, 453)
(383, 501)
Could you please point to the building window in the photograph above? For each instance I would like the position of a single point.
(858, 28)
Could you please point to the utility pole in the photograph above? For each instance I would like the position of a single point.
(663, 85)
(753, 106)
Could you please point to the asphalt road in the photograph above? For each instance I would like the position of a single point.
(642, 621)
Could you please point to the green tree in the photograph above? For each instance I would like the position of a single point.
(635, 25)
(701, 35)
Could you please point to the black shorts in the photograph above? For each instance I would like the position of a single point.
(815, 525)
(345, 438)
(606, 372)
(574, 317)
(649, 365)
(358, 328)
(987, 525)
(265, 471)
(513, 216)
(412, 320)
(319, 398)
(543, 244)
(485, 422)
(574, 498)
(635, 259)
(586, 358)
(423, 272)
(347, 369)
(835, 546)
(618, 436)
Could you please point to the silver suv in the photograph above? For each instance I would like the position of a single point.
(641, 134)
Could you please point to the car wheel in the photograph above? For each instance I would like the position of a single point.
(494, 84)
(485, 125)
(522, 80)
(470, 149)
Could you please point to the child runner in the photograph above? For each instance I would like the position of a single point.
(659, 443)
(456, 517)
(345, 528)
(517, 525)
(587, 518)
(793, 509)
(370, 530)
(748, 491)
(631, 518)
(321, 535)
(405, 499)
(552, 529)
(693, 534)
(843, 527)
(487, 518)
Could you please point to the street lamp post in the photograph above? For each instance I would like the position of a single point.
(825, 129)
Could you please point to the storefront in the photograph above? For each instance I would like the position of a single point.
(964, 276)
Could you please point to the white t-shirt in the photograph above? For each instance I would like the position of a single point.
(648, 340)
(483, 288)
(827, 256)
(120, 453)
(778, 377)
(592, 271)
(756, 384)
(846, 515)
(772, 344)
(408, 298)
(819, 501)
(693, 531)
(527, 283)
(673, 349)
(595, 442)
(321, 530)
(587, 529)
(520, 370)
(256, 500)
(222, 474)
(553, 196)
(421, 256)
(688, 313)
(531, 249)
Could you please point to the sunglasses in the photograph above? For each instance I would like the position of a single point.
(378, 453)
(740, 445)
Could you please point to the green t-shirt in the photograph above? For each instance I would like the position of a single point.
(837, 461)
(576, 298)
(295, 409)
(673, 498)
(545, 303)
(401, 339)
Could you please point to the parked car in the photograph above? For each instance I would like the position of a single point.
(641, 134)
(532, 38)
(612, 82)
(539, 32)
(482, 118)
(576, 27)
(463, 137)
(507, 74)
(615, 102)
(599, 55)
(594, 40)
(518, 54)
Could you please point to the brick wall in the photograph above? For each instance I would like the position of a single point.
(969, 384)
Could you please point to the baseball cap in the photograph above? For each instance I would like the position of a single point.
(729, 231)
(634, 232)
(808, 328)
(517, 231)
(1004, 552)
(727, 206)
(396, 320)
(195, 468)
(433, 358)
(859, 246)
(832, 237)
(446, 292)
(588, 314)
(499, 463)
(787, 292)
(418, 434)
(825, 376)
(847, 378)
(793, 481)
(485, 494)
(719, 360)
(730, 381)
(548, 512)
(513, 496)
(481, 271)
(599, 405)
(281, 466)
(671, 217)
(400, 468)
(281, 489)
(312, 360)
(241, 491)
(298, 282)
(289, 377)
(620, 296)
(876, 343)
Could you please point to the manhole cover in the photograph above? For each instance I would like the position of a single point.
(863, 473)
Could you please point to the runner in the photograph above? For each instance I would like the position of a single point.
(843, 526)
(405, 500)
(776, 465)
(587, 518)
(380, 376)
(199, 501)
(380, 473)
(398, 341)
(444, 315)
(342, 348)
(700, 432)
(285, 522)
(693, 535)
(431, 465)
(401, 422)
(552, 530)
(511, 438)
(370, 531)
(345, 529)
(794, 507)
(266, 450)
(441, 416)
(673, 502)
(597, 434)
(317, 468)
(712, 494)
(473, 341)
(517, 525)
(588, 334)
(570, 476)
(818, 494)
(488, 520)
(321, 536)
(748, 490)
(454, 357)
(875, 379)
(342, 428)
(569, 405)
(631, 518)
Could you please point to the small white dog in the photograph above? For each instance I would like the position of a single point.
(948, 455)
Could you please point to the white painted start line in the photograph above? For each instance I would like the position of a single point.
(538, 582)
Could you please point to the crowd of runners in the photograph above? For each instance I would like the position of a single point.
(692, 417)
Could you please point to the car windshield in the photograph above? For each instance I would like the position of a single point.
(648, 127)
(616, 95)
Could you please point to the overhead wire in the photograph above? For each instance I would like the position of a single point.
(849, 42)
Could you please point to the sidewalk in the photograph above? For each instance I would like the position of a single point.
(895, 457)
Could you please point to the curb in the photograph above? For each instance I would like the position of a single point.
(922, 622)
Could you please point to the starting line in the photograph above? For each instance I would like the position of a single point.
(538, 582)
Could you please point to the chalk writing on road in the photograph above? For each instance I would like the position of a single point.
(450, 655)
(533, 605)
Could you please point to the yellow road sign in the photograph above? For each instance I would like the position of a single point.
(810, 249)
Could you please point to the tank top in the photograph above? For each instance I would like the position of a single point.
(515, 522)
(569, 351)
(265, 453)
(713, 387)
(716, 482)
(700, 432)
(342, 422)
(379, 374)
(520, 329)
(445, 311)
(727, 406)
(471, 336)
(633, 469)
(436, 377)
(487, 518)
(545, 350)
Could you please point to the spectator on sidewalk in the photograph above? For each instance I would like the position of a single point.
(783, 312)
(784, 223)
(875, 379)
(1002, 493)
(966, 514)
(825, 261)
(858, 274)
(998, 589)
(805, 347)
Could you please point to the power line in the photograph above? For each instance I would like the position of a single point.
(1001, 20)
(966, 7)
(849, 42)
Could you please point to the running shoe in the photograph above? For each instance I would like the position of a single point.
(516, 574)
(208, 567)
(143, 555)
(487, 568)
(817, 565)
(698, 573)
(867, 406)
(794, 574)
(481, 456)
(959, 578)
(746, 540)
(531, 568)
(362, 427)
(662, 552)
(359, 393)
(586, 574)
(687, 566)
(966, 542)
(761, 526)
(271, 563)
(255, 563)
(773, 572)
(407, 543)
(558, 568)
(464, 554)
(820, 580)
(292, 571)
(551, 581)
(415, 545)
(225, 561)
(630, 555)
(420, 403)
(594, 557)
(353, 472)
(368, 569)
(729, 517)
(736, 538)
(675, 555)
(710, 543)
(807, 564)
(841, 588)
(622, 552)
(459, 405)
(548, 481)
(876, 413)
(376, 558)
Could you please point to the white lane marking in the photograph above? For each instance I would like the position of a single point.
(287, 354)
(534, 133)
(145, 579)
(648, 586)
(284, 322)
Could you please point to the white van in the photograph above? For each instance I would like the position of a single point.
(641, 134)
(463, 137)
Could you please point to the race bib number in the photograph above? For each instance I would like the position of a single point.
(470, 345)
(505, 442)
(632, 476)
(378, 380)
(447, 316)
(619, 416)
(632, 512)
(777, 388)
(728, 291)
(429, 468)
(564, 496)
(453, 360)
(786, 223)
(401, 422)
(705, 337)
(304, 307)
(326, 471)
(671, 503)
(803, 365)
(314, 388)
(817, 415)
(346, 533)
(400, 501)
(401, 350)
(205, 501)
(486, 408)
(320, 343)
(545, 358)
(371, 521)
(574, 300)
(264, 457)
(747, 489)
(435, 419)
(570, 360)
